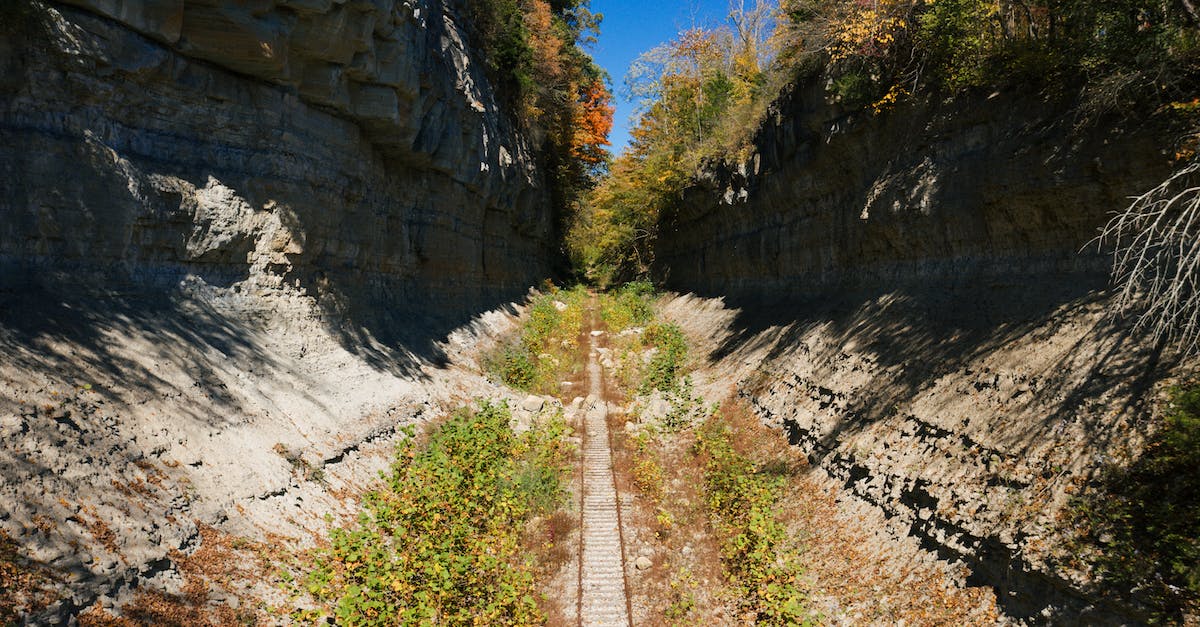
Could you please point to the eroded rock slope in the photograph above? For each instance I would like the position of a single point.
(240, 244)
(908, 298)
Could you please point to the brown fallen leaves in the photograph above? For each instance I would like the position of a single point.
(24, 586)
(222, 564)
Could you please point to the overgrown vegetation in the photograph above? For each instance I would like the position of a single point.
(440, 542)
(627, 306)
(760, 561)
(1144, 520)
(703, 94)
(692, 92)
(666, 364)
(546, 348)
(677, 441)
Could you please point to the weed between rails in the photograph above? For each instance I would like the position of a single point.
(628, 313)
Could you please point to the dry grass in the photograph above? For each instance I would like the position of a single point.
(860, 577)
(101, 531)
(552, 543)
(686, 584)
(157, 608)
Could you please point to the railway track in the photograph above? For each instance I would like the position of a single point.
(603, 596)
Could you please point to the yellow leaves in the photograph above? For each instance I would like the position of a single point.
(889, 99)
(546, 45)
(870, 31)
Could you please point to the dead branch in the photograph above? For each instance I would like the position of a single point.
(1156, 259)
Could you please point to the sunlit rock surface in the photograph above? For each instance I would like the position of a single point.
(241, 243)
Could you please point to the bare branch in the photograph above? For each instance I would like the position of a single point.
(1156, 259)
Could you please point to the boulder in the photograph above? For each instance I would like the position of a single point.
(533, 403)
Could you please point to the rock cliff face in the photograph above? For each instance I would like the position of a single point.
(236, 241)
(948, 191)
(904, 298)
(351, 149)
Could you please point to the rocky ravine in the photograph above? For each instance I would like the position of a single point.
(904, 297)
(240, 244)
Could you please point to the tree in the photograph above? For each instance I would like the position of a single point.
(593, 122)
(753, 26)
(693, 95)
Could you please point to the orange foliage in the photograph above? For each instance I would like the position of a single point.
(594, 120)
(546, 44)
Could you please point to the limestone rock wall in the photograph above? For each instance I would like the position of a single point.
(905, 298)
(353, 150)
(241, 244)
(984, 185)
(968, 419)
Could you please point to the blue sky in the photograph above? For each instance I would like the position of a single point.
(630, 28)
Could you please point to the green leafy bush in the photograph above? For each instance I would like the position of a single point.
(761, 564)
(662, 373)
(440, 542)
(515, 366)
(854, 89)
(685, 407)
(627, 306)
(958, 36)
(1145, 519)
(505, 42)
(548, 322)
(546, 346)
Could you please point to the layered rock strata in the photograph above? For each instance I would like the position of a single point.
(234, 238)
(955, 191)
(909, 299)
(354, 150)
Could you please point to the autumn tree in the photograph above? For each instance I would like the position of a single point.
(593, 123)
(685, 92)
(701, 96)
(555, 90)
